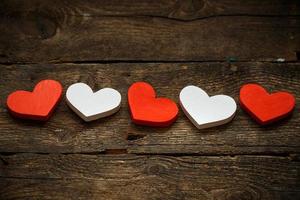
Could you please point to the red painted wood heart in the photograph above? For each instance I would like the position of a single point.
(265, 108)
(148, 110)
(36, 105)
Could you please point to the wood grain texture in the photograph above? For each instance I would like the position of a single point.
(53, 176)
(176, 9)
(106, 30)
(66, 133)
(67, 40)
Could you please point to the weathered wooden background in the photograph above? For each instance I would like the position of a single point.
(215, 44)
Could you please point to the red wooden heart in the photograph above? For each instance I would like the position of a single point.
(264, 107)
(148, 110)
(37, 105)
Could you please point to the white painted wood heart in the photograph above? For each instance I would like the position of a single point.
(205, 111)
(91, 106)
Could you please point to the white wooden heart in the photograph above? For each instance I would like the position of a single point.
(205, 111)
(91, 106)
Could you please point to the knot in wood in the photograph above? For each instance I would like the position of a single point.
(155, 169)
(35, 24)
(244, 193)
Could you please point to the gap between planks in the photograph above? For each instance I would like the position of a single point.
(148, 62)
(292, 156)
(184, 20)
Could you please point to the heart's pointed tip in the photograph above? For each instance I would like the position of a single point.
(26, 116)
(263, 122)
(154, 123)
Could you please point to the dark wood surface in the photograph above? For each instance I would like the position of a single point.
(88, 31)
(149, 177)
(217, 45)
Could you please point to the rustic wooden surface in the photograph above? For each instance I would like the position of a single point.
(217, 45)
(149, 177)
(103, 31)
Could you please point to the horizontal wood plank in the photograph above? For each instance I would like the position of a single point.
(141, 177)
(181, 10)
(43, 31)
(67, 133)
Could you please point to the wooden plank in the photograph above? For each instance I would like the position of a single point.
(182, 10)
(39, 31)
(67, 133)
(32, 176)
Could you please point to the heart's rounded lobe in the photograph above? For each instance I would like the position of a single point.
(148, 110)
(265, 108)
(36, 105)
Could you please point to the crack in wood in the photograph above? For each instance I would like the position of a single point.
(292, 156)
(149, 61)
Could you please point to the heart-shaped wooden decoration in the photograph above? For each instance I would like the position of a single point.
(205, 111)
(265, 108)
(148, 110)
(91, 106)
(36, 105)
